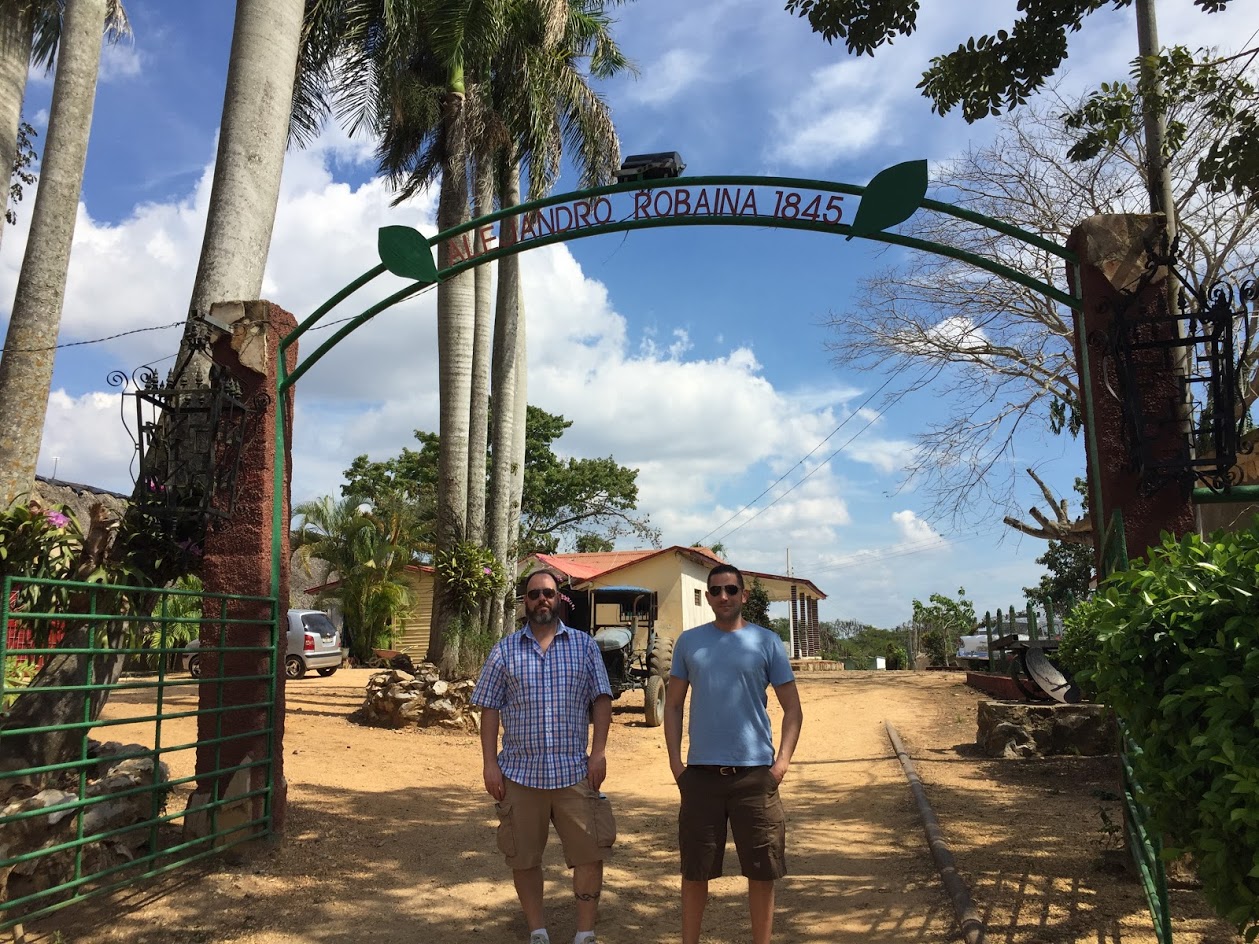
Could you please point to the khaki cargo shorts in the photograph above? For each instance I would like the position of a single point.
(582, 817)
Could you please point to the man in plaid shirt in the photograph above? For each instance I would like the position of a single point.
(545, 683)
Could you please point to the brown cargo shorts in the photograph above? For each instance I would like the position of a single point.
(745, 797)
(582, 817)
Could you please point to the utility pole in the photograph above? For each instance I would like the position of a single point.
(791, 617)
(1162, 199)
(1159, 178)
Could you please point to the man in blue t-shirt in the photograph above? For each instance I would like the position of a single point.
(731, 772)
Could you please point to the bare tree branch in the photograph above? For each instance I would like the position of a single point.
(1000, 355)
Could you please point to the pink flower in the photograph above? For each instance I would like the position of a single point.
(56, 518)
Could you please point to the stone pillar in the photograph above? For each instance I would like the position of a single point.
(238, 561)
(1113, 258)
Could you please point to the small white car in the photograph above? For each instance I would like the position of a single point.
(313, 643)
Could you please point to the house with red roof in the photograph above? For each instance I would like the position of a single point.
(679, 576)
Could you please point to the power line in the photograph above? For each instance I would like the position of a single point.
(801, 462)
(894, 552)
(121, 334)
(164, 327)
(820, 465)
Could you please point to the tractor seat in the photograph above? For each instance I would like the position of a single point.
(613, 638)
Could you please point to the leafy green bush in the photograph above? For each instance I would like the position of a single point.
(933, 645)
(1172, 644)
(471, 574)
(17, 674)
(897, 657)
(41, 543)
(1079, 651)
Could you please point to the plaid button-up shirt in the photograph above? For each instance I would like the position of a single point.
(544, 699)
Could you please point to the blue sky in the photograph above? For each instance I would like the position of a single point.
(696, 355)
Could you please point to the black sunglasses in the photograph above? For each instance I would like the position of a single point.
(541, 592)
(730, 590)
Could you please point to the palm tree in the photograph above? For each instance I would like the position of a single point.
(26, 367)
(367, 548)
(560, 106)
(420, 75)
(253, 135)
(29, 33)
(410, 86)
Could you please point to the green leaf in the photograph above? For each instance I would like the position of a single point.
(406, 253)
(890, 198)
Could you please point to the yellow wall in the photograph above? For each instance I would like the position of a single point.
(675, 579)
(411, 635)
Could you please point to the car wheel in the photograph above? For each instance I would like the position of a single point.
(324, 673)
(653, 701)
(294, 668)
(194, 666)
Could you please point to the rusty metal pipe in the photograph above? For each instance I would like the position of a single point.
(963, 905)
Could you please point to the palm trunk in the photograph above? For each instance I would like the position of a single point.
(26, 370)
(17, 33)
(455, 322)
(252, 139)
(507, 339)
(478, 413)
(518, 442)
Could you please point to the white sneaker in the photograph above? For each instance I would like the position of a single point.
(539, 937)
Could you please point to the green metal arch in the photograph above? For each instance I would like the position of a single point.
(653, 222)
(286, 379)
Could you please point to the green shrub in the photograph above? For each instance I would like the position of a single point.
(44, 544)
(1172, 644)
(471, 575)
(933, 645)
(17, 674)
(896, 657)
(1079, 651)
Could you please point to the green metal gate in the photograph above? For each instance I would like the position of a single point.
(99, 817)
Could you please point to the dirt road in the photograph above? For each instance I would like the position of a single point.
(391, 840)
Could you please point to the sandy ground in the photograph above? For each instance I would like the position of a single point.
(390, 839)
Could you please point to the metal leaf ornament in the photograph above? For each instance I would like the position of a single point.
(405, 252)
(890, 198)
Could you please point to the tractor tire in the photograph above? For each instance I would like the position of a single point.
(660, 659)
(653, 701)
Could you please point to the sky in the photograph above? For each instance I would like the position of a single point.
(696, 355)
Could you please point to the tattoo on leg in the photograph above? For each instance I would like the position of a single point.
(592, 896)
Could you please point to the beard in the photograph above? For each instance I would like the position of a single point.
(544, 616)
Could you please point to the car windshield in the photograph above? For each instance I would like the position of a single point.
(319, 623)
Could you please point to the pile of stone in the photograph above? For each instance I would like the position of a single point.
(396, 698)
(1041, 730)
(119, 769)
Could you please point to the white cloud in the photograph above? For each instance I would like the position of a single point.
(120, 60)
(914, 530)
(841, 113)
(671, 76)
(89, 442)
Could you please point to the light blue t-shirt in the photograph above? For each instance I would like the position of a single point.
(729, 674)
